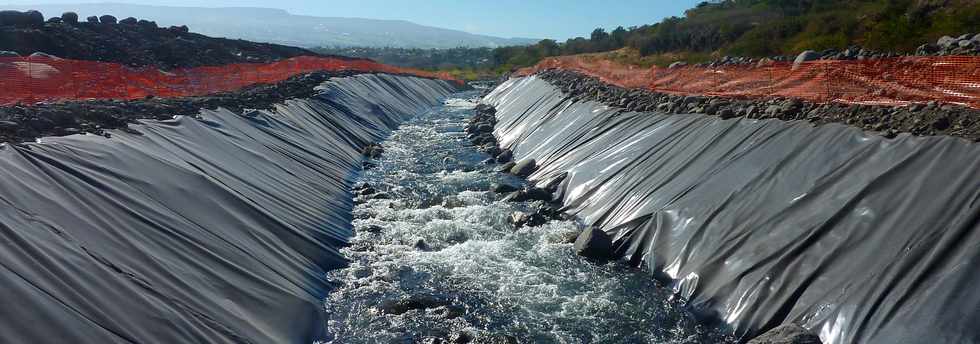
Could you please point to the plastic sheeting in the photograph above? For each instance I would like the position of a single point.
(761, 222)
(210, 230)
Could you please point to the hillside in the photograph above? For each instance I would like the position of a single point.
(139, 43)
(278, 26)
(761, 28)
(769, 27)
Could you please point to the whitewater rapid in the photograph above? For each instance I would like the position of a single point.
(440, 236)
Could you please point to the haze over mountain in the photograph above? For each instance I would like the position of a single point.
(279, 26)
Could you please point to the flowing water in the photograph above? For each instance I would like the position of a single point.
(437, 261)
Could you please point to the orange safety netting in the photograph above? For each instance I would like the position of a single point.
(894, 81)
(36, 79)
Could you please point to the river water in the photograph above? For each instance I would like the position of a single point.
(437, 260)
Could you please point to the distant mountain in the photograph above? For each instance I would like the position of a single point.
(279, 26)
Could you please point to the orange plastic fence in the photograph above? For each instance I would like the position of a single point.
(893, 81)
(36, 79)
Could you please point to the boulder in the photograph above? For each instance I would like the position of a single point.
(529, 194)
(505, 156)
(92, 19)
(129, 21)
(54, 20)
(484, 128)
(787, 334)
(805, 56)
(485, 109)
(506, 167)
(372, 229)
(179, 29)
(773, 110)
(524, 168)
(364, 190)
(107, 19)
(946, 41)
(595, 244)
(927, 49)
(148, 23)
(485, 139)
(69, 17)
(403, 306)
(491, 150)
(765, 61)
(373, 151)
(521, 219)
(29, 19)
(498, 188)
(5, 53)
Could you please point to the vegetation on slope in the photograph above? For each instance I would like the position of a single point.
(758, 28)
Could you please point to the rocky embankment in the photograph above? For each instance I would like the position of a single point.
(928, 119)
(26, 123)
(128, 41)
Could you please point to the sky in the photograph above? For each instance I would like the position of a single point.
(557, 19)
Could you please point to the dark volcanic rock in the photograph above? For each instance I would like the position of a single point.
(17, 19)
(373, 151)
(529, 194)
(524, 168)
(497, 188)
(506, 167)
(417, 302)
(521, 219)
(70, 18)
(505, 156)
(595, 244)
(787, 334)
(107, 19)
(92, 19)
(148, 24)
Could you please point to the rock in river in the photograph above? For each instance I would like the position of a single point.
(524, 168)
(594, 243)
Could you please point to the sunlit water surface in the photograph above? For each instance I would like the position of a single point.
(443, 236)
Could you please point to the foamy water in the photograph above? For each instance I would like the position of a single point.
(441, 235)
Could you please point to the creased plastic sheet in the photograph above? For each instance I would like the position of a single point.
(210, 230)
(761, 222)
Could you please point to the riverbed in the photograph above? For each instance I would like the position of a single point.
(435, 259)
